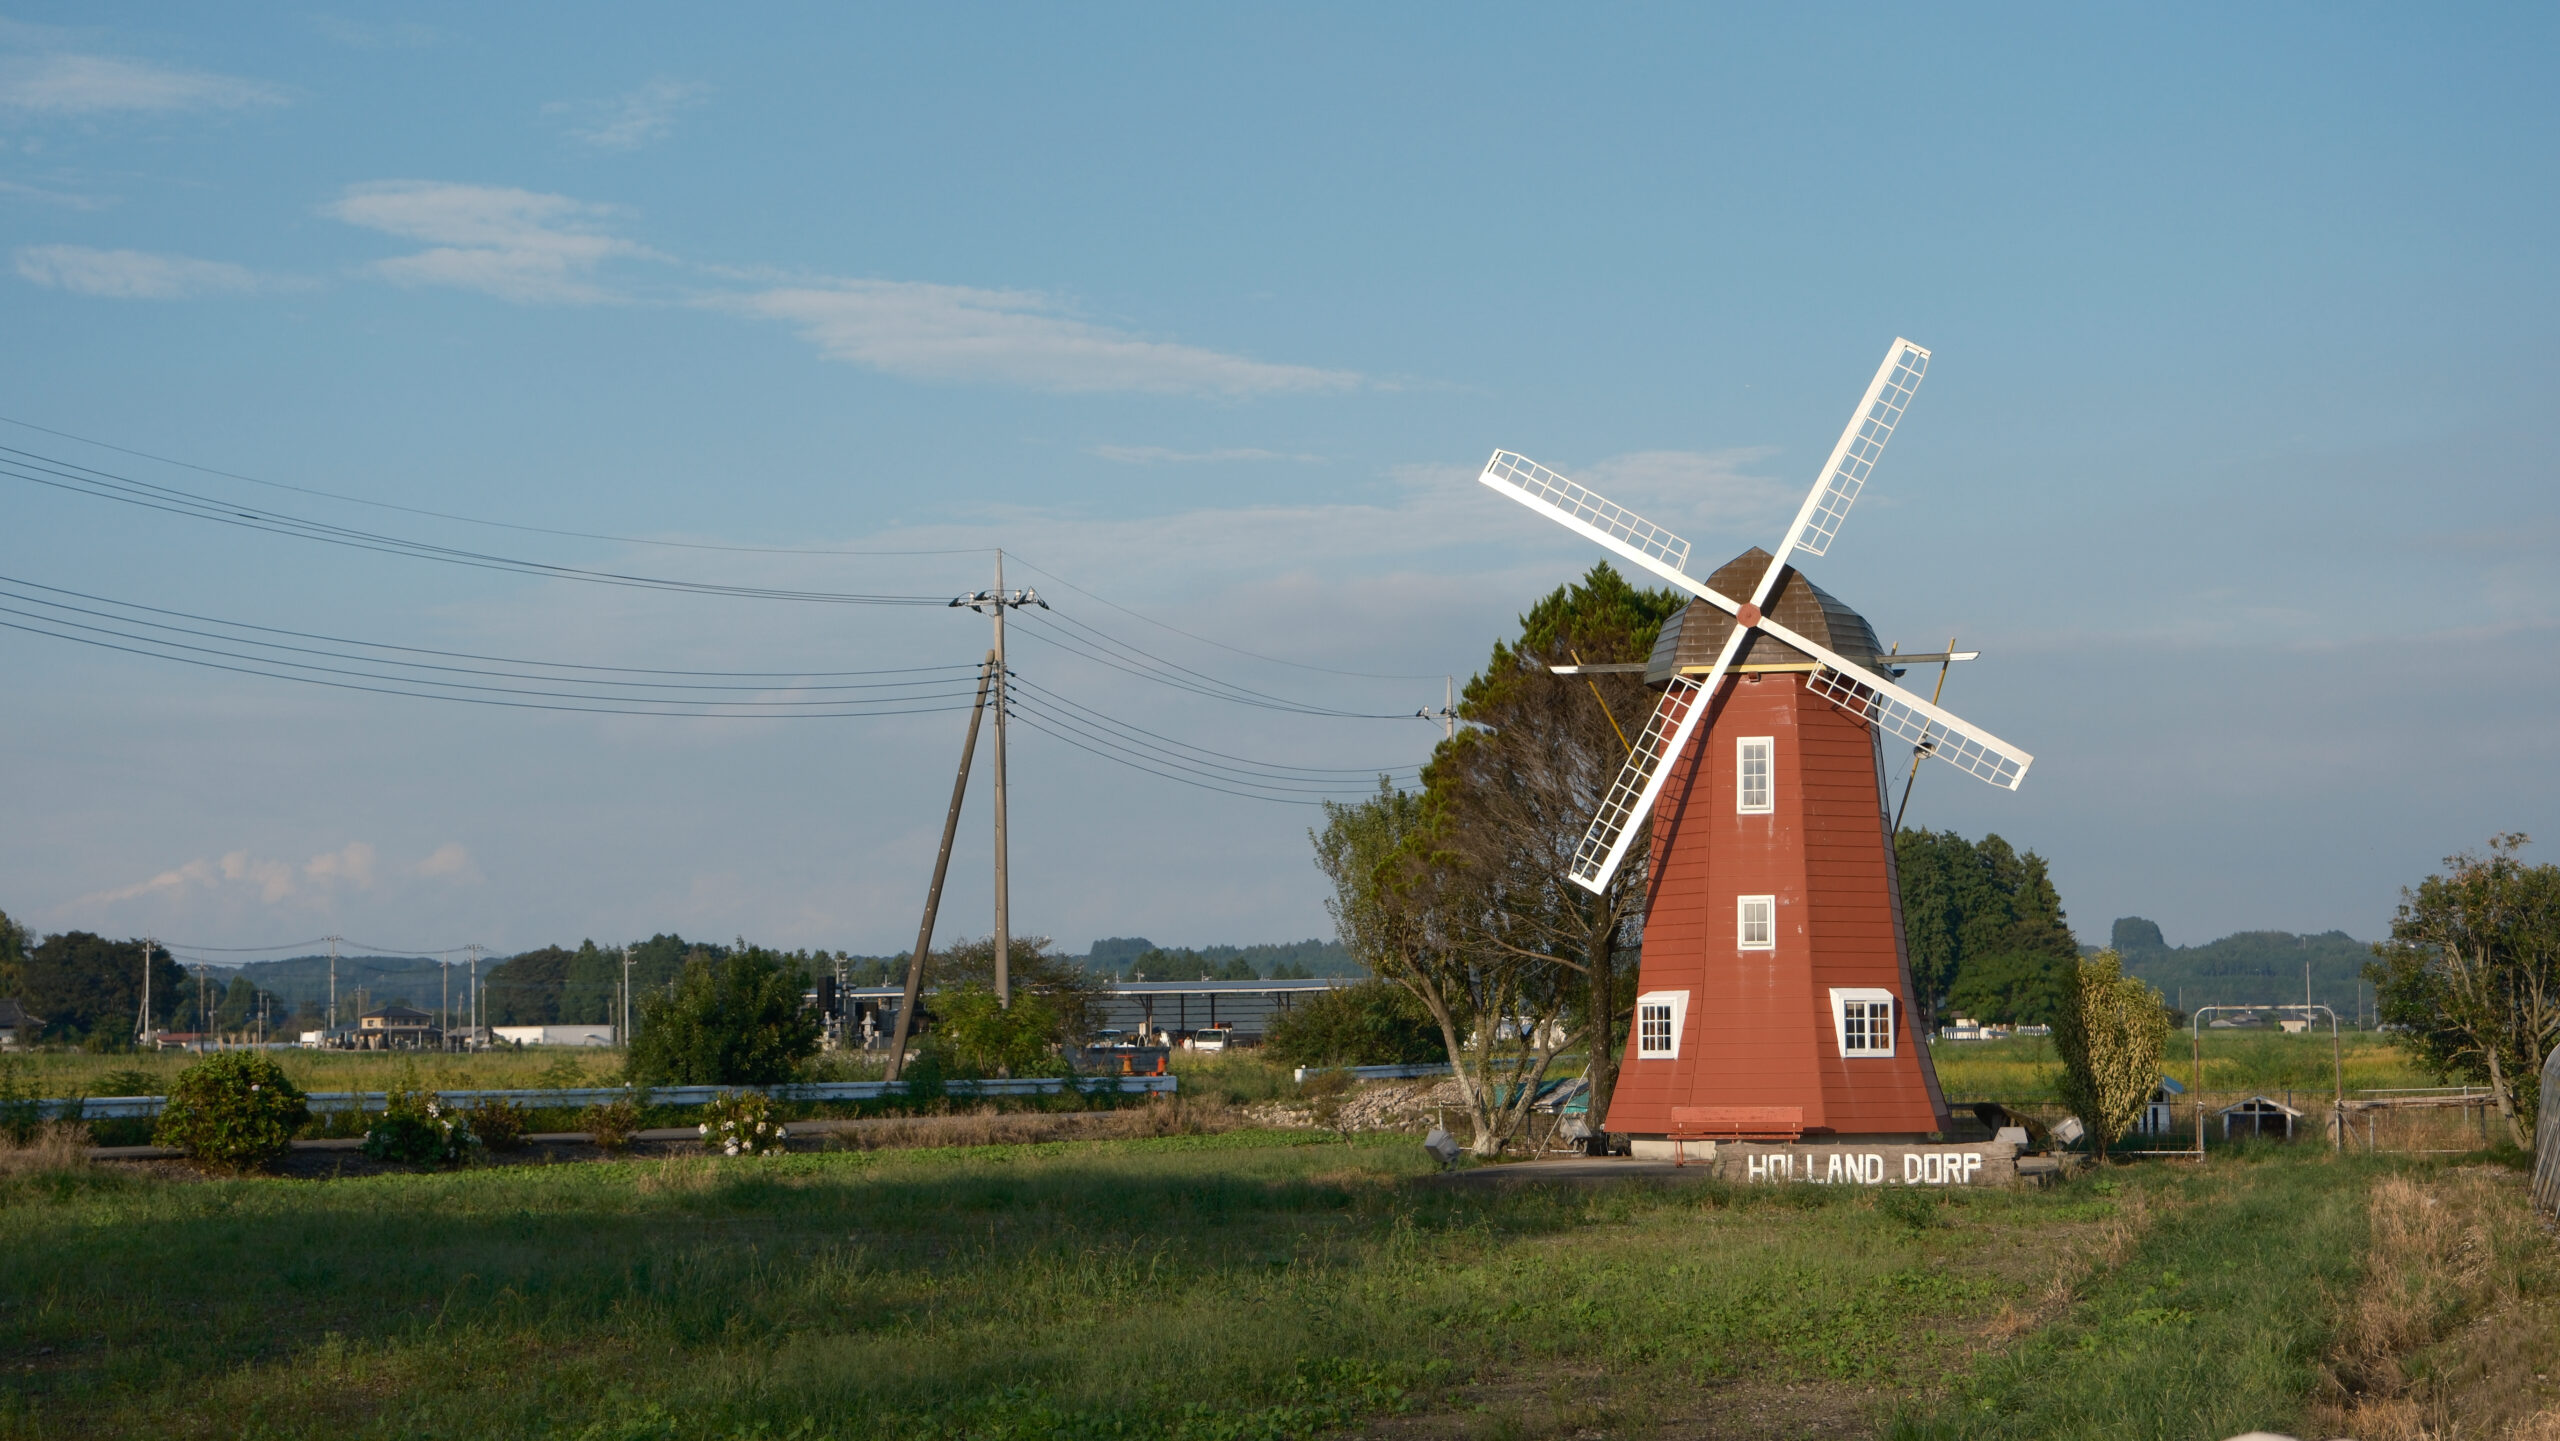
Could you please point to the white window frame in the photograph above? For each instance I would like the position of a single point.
(1742, 907)
(1767, 747)
(1678, 1002)
(1842, 997)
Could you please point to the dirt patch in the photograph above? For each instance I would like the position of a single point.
(2456, 1329)
(1409, 1106)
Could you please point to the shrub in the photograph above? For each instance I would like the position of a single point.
(736, 1021)
(1375, 1023)
(233, 1110)
(741, 1123)
(498, 1122)
(982, 1038)
(611, 1124)
(418, 1129)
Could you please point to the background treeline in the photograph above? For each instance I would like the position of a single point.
(1135, 957)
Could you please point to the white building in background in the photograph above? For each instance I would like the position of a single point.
(555, 1035)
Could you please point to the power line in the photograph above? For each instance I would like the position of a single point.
(84, 480)
(1183, 780)
(1285, 770)
(1204, 640)
(1213, 689)
(468, 519)
(1203, 769)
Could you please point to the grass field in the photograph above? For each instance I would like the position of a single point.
(2022, 1070)
(1250, 1284)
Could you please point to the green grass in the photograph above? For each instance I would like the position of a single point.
(2213, 1323)
(1247, 1284)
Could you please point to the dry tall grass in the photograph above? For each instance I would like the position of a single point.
(987, 1126)
(56, 1146)
(2453, 1326)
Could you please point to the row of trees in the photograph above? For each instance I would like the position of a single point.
(1987, 935)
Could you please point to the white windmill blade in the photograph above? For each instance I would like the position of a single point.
(1578, 509)
(1854, 458)
(1684, 703)
(1949, 737)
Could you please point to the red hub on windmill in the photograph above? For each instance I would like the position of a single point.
(1748, 615)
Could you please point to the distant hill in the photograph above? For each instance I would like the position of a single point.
(2248, 967)
(1124, 956)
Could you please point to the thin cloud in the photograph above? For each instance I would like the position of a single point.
(951, 332)
(630, 121)
(453, 860)
(1161, 455)
(107, 84)
(135, 274)
(352, 866)
(518, 245)
(64, 198)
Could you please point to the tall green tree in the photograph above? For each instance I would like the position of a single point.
(2471, 975)
(88, 987)
(1510, 796)
(1988, 909)
(2109, 1034)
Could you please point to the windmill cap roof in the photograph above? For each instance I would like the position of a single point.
(1696, 634)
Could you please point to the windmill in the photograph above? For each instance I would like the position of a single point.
(1796, 1018)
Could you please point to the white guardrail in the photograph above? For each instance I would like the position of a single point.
(106, 1108)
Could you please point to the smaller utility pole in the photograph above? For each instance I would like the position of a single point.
(1447, 714)
(142, 1026)
(474, 996)
(914, 993)
(333, 983)
(626, 998)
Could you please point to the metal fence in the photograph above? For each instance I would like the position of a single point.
(103, 1108)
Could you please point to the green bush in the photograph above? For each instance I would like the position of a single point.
(233, 1110)
(19, 1113)
(611, 1124)
(418, 1129)
(736, 1021)
(498, 1122)
(981, 1038)
(1375, 1023)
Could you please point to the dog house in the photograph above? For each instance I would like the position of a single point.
(2159, 1113)
(2259, 1117)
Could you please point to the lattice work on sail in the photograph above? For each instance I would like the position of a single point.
(1575, 505)
(1977, 753)
(1631, 796)
(1854, 458)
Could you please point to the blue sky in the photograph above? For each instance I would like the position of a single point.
(2231, 458)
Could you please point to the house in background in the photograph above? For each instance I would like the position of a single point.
(397, 1028)
(17, 1028)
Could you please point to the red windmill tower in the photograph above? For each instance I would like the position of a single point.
(1775, 985)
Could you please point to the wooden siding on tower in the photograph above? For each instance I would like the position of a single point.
(1759, 1027)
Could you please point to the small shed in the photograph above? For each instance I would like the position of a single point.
(2259, 1116)
(2158, 1118)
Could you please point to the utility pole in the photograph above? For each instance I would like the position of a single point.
(142, 1025)
(333, 983)
(1000, 600)
(1447, 714)
(475, 991)
(933, 894)
(625, 1029)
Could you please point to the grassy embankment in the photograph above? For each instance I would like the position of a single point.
(1242, 1285)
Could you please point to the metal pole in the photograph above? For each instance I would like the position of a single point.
(1004, 975)
(142, 1023)
(933, 894)
(1917, 752)
(475, 990)
(333, 983)
(626, 998)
